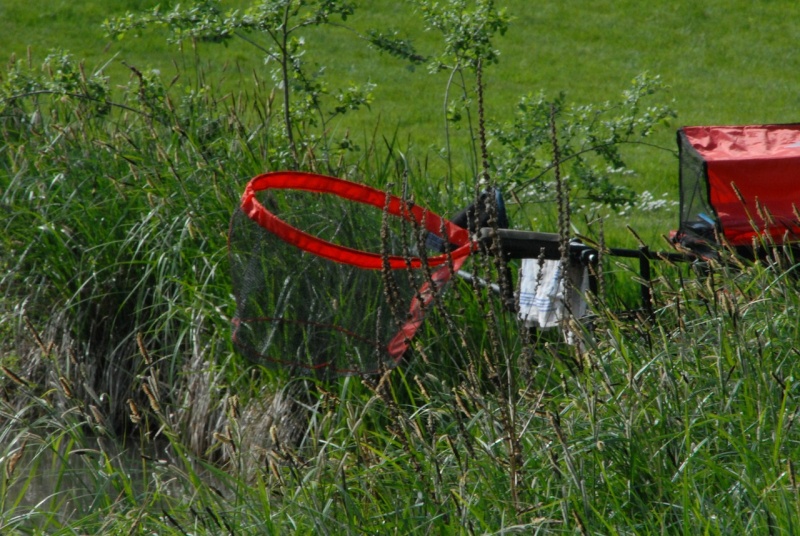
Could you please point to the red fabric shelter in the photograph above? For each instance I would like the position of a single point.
(762, 161)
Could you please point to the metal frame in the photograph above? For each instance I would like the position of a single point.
(516, 244)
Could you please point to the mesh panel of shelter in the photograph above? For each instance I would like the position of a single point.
(697, 216)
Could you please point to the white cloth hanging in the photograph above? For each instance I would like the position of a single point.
(542, 301)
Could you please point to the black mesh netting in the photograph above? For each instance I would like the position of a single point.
(298, 310)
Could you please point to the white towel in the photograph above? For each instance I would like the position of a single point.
(541, 298)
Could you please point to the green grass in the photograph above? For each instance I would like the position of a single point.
(124, 407)
(727, 63)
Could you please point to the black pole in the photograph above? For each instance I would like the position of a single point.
(644, 273)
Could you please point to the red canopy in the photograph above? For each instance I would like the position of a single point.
(763, 162)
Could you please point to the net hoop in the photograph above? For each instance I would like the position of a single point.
(442, 266)
(360, 193)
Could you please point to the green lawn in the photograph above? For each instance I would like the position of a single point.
(727, 62)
